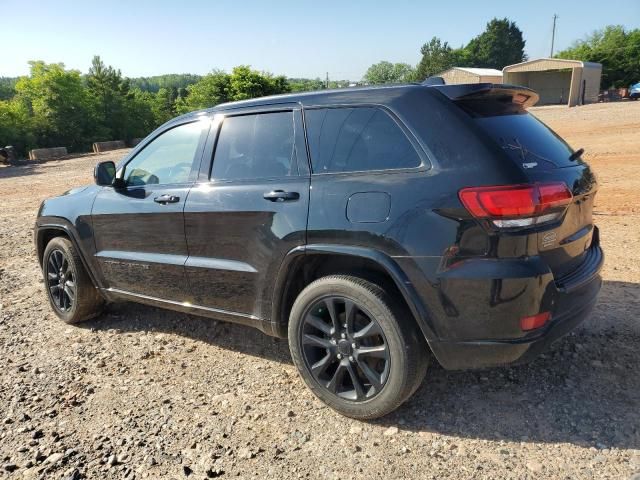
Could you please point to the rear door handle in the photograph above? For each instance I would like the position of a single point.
(281, 196)
(164, 199)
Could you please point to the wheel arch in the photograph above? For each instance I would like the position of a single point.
(302, 265)
(46, 232)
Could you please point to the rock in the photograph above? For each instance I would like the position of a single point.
(299, 437)
(37, 434)
(390, 431)
(245, 453)
(74, 475)
(112, 461)
(10, 467)
(355, 430)
(215, 472)
(54, 458)
(534, 466)
(7, 421)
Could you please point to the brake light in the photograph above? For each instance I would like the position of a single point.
(510, 206)
(535, 321)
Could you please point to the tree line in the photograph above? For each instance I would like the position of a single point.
(502, 44)
(54, 106)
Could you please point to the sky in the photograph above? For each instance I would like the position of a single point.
(296, 38)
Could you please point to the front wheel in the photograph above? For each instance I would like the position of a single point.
(69, 288)
(356, 349)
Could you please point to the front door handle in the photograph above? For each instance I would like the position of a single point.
(281, 196)
(164, 199)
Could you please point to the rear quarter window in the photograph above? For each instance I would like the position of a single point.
(357, 139)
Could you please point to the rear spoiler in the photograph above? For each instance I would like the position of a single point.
(522, 97)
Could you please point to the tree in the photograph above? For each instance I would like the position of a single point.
(15, 126)
(387, 72)
(501, 44)
(7, 87)
(109, 93)
(139, 113)
(617, 49)
(57, 104)
(437, 56)
(155, 83)
(210, 90)
(219, 87)
(245, 83)
(306, 84)
(164, 105)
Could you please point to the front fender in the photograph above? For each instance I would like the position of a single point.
(48, 227)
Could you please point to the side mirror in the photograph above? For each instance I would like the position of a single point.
(105, 173)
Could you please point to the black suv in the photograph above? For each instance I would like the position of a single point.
(374, 227)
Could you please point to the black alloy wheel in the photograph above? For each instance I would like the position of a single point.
(61, 281)
(345, 348)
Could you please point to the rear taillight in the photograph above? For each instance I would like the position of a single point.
(513, 206)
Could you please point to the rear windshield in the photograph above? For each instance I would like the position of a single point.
(528, 141)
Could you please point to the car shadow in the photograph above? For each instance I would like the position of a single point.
(21, 169)
(584, 390)
(132, 317)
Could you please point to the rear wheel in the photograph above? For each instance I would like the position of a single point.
(357, 350)
(71, 293)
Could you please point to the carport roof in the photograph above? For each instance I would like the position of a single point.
(482, 72)
(540, 64)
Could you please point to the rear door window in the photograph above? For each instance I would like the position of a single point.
(255, 146)
(357, 139)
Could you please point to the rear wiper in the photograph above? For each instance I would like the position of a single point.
(578, 153)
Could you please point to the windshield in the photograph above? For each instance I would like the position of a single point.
(528, 141)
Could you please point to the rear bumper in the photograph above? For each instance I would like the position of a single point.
(489, 335)
(491, 353)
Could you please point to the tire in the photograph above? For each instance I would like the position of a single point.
(69, 306)
(320, 352)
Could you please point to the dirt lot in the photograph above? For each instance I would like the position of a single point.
(145, 393)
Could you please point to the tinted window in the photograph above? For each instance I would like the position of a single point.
(527, 140)
(167, 159)
(354, 139)
(255, 146)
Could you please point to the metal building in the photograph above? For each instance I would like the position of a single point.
(471, 75)
(557, 80)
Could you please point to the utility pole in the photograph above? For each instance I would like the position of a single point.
(553, 33)
(327, 79)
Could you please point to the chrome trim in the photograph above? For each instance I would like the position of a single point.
(142, 257)
(219, 264)
(181, 304)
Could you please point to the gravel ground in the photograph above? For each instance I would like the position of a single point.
(146, 393)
